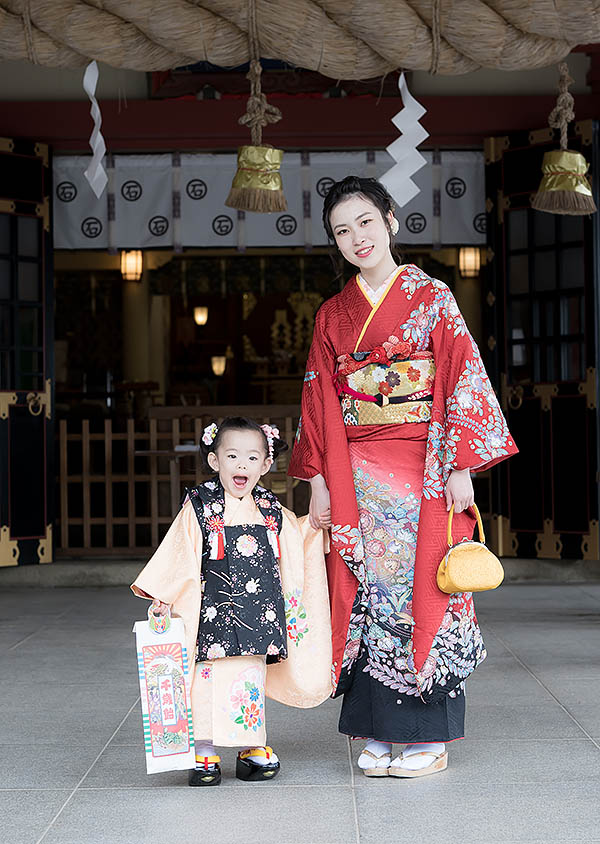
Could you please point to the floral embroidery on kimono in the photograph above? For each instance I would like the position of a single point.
(246, 699)
(295, 616)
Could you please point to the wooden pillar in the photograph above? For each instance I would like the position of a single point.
(160, 336)
(468, 298)
(136, 329)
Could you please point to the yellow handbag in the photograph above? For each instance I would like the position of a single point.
(469, 566)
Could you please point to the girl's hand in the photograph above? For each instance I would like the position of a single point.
(319, 511)
(158, 608)
(459, 490)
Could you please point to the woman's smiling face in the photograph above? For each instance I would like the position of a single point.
(360, 232)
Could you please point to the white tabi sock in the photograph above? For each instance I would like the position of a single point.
(377, 748)
(204, 747)
(418, 762)
(261, 760)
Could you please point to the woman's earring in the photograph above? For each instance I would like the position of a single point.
(394, 226)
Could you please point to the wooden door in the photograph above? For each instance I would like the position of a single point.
(540, 306)
(26, 358)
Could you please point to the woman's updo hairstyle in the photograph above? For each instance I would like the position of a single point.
(241, 423)
(370, 189)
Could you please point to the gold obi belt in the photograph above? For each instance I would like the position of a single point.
(377, 390)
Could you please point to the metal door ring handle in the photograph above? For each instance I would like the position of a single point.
(34, 404)
(515, 398)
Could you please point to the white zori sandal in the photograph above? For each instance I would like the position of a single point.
(380, 767)
(439, 762)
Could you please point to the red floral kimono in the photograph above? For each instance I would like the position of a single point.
(395, 397)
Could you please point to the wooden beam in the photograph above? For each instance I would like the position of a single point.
(308, 122)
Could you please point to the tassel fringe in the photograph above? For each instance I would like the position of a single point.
(256, 199)
(274, 542)
(563, 202)
(217, 545)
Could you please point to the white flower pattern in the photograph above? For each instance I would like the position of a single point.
(216, 651)
(247, 545)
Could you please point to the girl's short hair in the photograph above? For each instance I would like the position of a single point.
(372, 190)
(242, 423)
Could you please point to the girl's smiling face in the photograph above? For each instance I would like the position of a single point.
(360, 232)
(240, 460)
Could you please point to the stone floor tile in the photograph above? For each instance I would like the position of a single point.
(24, 814)
(44, 766)
(491, 683)
(565, 676)
(297, 815)
(591, 589)
(130, 734)
(62, 713)
(511, 720)
(436, 809)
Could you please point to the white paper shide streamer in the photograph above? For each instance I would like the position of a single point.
(404, 150)
(95, 173)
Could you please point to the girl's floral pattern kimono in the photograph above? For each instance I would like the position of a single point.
(292, 625)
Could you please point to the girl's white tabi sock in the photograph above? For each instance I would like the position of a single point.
(377, 748)
(204, 747)
(260, 760)
(418, 762)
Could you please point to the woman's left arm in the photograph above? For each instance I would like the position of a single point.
(473, 432)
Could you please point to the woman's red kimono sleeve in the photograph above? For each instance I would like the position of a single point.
(308, 455)
(467, 429)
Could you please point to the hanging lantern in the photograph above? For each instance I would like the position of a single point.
(564, 188)
(469, 261)
(257, 183)
(201, 315)
(131, 265)
(218, 364)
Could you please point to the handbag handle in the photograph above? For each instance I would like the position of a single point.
(479, 525)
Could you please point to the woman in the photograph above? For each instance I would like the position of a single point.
(397, 410)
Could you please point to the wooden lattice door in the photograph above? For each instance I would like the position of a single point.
(540, 306)
(26, 354)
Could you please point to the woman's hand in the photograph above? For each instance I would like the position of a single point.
(158, 608)
(319, 511)
(459, 490)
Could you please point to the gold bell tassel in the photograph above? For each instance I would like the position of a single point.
(564, 188)
(257, 183)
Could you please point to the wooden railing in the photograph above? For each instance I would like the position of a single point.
(121, 485)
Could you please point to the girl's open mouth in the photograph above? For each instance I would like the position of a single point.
(362, 253)
(240, 481)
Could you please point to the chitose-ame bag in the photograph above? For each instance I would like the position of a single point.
(165, 688)
(469, 566)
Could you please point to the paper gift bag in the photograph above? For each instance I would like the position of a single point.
(165, 688)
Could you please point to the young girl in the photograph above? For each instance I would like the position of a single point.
(233, 567)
